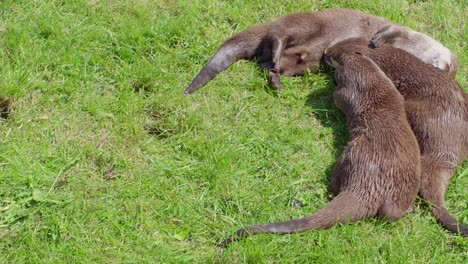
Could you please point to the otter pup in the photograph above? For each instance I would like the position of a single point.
(378, 173)
(292, 44)
(420, 45)
(437, 110)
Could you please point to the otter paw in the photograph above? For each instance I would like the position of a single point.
(382, 36)
(275, 80)
(410, 210)
(376, 42)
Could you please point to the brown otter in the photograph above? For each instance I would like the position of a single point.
(291, 44)
(437, 110)
(420, 45)
(379, 171)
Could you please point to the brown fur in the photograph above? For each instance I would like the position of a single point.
(437, 110)
(291, 44)
(420, 45)
(379, 171)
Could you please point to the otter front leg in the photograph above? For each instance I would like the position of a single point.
(277, 52)
(387, 34)
(274, 75)
(275, 80)
(270, 61)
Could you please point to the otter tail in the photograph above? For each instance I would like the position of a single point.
(445, 219)
(342, 209)
(435, 178)
(244, 45)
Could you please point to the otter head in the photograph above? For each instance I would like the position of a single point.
(359, 81)
(294, 64)
(347, 79)
(334, 55)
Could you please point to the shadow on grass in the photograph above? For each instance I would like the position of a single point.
(320, 101)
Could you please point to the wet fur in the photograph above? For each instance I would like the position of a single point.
(420, 45)
(437, 110)
(378, 173)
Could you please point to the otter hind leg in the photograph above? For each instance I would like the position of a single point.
(393, 211)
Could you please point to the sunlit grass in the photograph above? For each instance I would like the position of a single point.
(103, 159)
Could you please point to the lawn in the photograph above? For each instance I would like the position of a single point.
(103, 159)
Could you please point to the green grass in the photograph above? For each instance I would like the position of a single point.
(104, 159)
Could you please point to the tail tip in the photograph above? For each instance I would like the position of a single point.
(450, 223)
(225, 243)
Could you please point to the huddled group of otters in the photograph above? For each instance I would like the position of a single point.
(406, 115)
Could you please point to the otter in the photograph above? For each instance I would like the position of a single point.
(378, 173)
(437, 111)
(292, 44)
(420, 45)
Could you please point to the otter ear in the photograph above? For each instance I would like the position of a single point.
(358, 53)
